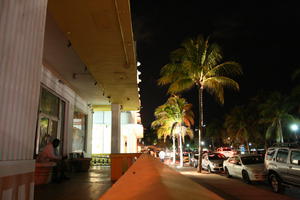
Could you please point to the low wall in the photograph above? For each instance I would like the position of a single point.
(148, 178)
(17, 179)
(120, 163)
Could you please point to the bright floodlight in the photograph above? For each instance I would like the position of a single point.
(138, 63)
(294, 127)
(202, 143)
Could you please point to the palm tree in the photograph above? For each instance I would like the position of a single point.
(215, 130)
(238, 125)
(198, 63)
(171, 118)
(274, 112)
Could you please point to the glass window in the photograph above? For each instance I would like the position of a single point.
(295, 157)
(79, 132)
(282, 155)
(44, 136)
(249, 160)
(50, 120)
(233, 160)
(216, 157)
(270, 154)
(49, 103)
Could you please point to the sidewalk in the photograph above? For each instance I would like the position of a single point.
(82, 185)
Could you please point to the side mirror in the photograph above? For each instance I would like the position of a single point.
(238, 163)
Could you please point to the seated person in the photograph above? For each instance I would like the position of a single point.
(49, 154)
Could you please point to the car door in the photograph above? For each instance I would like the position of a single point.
(293, 171)
(281, 164)
(230, 165)
(238, 167)
(204, 161)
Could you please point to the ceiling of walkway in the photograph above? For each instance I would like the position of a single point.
(100, 32)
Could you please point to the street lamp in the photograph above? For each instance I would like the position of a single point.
(294, 128)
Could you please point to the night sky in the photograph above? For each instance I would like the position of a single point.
(263, 38)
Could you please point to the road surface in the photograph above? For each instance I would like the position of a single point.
(234, 188)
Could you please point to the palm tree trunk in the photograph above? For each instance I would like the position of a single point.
(200, 95)
(280, 131)
(181, 153)
(174, 153)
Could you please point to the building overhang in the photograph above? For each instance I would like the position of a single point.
(101, 34)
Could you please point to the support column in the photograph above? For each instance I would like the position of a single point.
(116, 128)
(22, 26)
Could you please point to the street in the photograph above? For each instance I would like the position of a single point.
(234, 188)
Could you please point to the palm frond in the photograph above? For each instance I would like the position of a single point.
(224, 82)
(214, 56)
(215, 88)
(180, 85)
(224, 69)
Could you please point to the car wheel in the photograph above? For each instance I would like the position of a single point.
(275, 183)
(246, 177)
(208, 169)
(227, 173)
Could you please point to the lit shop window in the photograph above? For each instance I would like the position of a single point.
(79, 132)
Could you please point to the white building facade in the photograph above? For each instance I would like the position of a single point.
(131, 132)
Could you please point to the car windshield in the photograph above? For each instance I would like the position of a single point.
(249, 160)
(216, 157)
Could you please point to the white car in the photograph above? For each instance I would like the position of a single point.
(248, 167)
(226, 151)
(213, 162)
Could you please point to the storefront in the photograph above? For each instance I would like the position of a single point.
(51, 119)
(63, 114)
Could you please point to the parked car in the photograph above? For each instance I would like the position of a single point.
(247, 166)
(194, 160)
(226, 151)
(213, 162)
(282, 163)
(186, 157)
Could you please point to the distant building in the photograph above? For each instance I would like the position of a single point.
(131, 132)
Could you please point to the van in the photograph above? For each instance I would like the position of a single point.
(282, 162)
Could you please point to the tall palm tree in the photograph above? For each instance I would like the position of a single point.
(171, 118)
(239, 125)
(274, 112)
(197, 63)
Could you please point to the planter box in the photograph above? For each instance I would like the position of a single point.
(43, 172)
